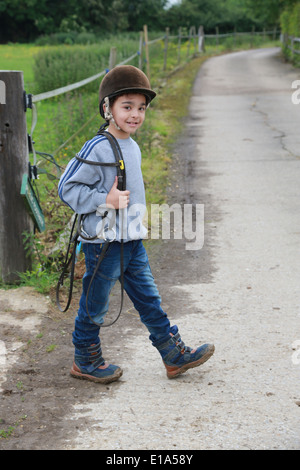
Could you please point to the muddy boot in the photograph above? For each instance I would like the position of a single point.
(177, 357)
(89, 365)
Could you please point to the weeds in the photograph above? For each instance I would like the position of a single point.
(5, 434)
(45, 270)
(8, 433)
(60, 118)
(20, 385)
(55, 67)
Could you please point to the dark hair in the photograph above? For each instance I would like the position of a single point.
(112, 99)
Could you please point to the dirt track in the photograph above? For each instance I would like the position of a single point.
(239, 155)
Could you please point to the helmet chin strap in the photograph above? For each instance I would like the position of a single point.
(109, 115)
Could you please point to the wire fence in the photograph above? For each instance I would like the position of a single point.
(196, 41)
(144, 44)
(174, 51)
(158, 57)
(292, 43)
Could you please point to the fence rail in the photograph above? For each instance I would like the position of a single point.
(59, 91)
(289, 42)
(13, 120)
(74, 86)
(198, 39)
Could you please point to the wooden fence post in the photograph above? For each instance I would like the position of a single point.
(189, 43)
(179, 46)
(195, 39)
(141, 50)
(112, 57)
(15, 219)
(252, 36)
(147, 50)
(201, 44)
(217, 35)
(166, 48)
(292, 47)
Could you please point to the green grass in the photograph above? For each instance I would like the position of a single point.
(61, 117)
(6, 433)
(20, 57)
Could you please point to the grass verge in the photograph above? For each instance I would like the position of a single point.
(163, 124)
(59, 118)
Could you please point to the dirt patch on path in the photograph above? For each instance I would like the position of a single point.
(36, 390)
(240, 291)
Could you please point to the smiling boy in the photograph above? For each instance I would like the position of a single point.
(124, 96)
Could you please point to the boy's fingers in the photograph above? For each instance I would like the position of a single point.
(123, 202)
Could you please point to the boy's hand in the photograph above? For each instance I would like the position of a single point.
(116, 198)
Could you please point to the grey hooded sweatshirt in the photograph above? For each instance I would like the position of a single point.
(84, 188)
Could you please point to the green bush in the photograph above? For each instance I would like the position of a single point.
(290, 20)
(58, 66)
(290, 26)
(70, 37)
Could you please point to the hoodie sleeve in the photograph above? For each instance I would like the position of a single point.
(81, 186)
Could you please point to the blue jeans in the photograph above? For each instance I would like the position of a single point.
(138, 283)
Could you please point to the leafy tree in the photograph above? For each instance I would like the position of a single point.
(226, 14)
(235, 16)
(24, 20)
(140, 12)
(266, 13)
(196, 12)
(290, 19)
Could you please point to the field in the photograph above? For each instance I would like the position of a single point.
(64, 123)
(65, 117)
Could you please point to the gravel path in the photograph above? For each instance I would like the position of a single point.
(241, 150)
(239, 156)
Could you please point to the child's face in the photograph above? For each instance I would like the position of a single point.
(129, 114)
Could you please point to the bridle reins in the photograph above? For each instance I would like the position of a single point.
(71, 255)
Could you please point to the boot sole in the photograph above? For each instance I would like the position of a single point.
(102, 380)
(173, 372)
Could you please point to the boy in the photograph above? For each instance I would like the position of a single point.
(124, 95)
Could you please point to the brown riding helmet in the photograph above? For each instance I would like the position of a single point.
(124, 79)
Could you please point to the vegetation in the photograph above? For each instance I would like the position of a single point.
(66, 122)
(72, 64)
(5, 434)
(85, 21)
(59, 118)
(290, 26)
